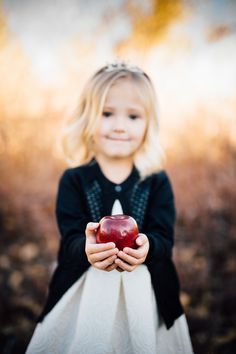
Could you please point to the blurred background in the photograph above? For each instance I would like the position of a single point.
(47, 51)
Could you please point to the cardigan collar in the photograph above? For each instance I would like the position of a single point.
(96, 172)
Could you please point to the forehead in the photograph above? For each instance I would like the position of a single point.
(124, 90)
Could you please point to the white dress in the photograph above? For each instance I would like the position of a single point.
(109, 313)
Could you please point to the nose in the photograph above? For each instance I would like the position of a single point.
(119, 124)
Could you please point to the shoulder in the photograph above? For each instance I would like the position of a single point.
(160, 185)
(76, 175)
(158, 179)
(78, 172)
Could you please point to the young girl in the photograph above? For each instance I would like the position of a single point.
(102, 300)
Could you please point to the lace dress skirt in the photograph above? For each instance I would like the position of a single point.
(109, 313)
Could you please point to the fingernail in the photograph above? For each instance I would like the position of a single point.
(92, 224)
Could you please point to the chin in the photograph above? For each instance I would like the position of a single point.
(119, 155)
(120, 152)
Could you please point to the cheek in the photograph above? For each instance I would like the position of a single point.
(100, 130)
(140, 131)
(104, 127)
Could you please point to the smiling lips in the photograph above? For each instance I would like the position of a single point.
(116, 139)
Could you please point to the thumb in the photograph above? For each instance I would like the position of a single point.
(141, 239)
(91, 229)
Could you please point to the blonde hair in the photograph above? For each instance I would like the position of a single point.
(78, 133)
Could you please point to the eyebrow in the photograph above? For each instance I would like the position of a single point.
(108, 107)
(133, 108)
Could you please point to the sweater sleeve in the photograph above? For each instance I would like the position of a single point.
(161, 217)
(72, 220)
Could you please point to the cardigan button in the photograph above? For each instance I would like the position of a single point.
(118, 188)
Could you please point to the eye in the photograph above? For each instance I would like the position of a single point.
(133, 116)
(106, 114)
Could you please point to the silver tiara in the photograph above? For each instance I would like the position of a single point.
(122, 66)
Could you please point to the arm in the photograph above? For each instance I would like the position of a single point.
(72, 220)
(161, 216)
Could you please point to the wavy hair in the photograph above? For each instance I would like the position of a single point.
(77, 134)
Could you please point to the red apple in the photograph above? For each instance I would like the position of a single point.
(120, 229)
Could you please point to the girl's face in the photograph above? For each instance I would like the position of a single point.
(122, 127)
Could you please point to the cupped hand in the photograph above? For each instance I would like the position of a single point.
(130, 258)
(100, 255)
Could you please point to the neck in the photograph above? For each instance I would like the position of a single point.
(116, 170)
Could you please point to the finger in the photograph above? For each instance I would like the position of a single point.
(141, 239)
(129, 259)
(139, 253)
(111, 267)
(104, 264)
(119, 269)
(90, 232)
(124, 265)
(100, 256)
(91, 228)
(100, 247)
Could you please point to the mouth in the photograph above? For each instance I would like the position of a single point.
(117, 139)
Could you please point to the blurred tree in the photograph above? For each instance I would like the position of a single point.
(149, 24)
(216, 33)
(3, 28)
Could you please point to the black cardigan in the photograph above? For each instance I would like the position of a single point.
(85, 195)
